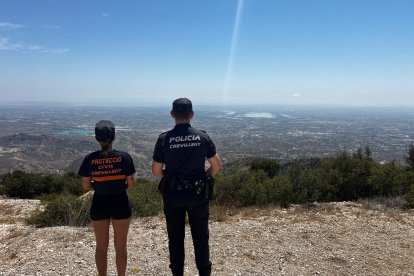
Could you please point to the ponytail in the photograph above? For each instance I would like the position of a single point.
(106, 147)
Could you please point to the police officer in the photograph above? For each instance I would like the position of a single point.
(109, 173)
(179, 160)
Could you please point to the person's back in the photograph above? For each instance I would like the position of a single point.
(183, 151)
(109, 173)
(187, 149)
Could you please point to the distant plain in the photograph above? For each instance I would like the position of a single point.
(54, 138)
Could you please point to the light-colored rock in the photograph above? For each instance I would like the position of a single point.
(330, 239)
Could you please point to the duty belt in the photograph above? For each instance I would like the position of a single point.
(201, 185)
(187, 183)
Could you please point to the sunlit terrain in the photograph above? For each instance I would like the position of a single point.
(49, 139)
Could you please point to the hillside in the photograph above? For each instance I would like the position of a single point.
(329, 239)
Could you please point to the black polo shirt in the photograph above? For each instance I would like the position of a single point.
(184, 150)
(108, 172)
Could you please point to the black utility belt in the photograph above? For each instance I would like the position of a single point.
(176, 183)
(189, 185)
(201, 186)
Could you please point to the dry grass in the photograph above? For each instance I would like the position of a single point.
(255, 212)
(16, 210)
(382, 204)
(13, 233)
(8, 214)
(221, 213)
(8, 220)
(250, 255)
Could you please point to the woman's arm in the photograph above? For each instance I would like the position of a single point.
(130, 181)
(86, 184)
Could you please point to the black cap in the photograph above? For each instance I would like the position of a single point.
(182, 105)
(104, 130)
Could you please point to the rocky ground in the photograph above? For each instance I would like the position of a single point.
(329, 239)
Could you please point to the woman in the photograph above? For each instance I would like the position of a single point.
(109, 173)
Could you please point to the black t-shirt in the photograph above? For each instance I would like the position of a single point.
(184, 150)
(108, 172)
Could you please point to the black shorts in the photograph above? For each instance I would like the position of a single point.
(110, 206)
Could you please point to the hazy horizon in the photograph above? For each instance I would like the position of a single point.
(236, 52)
(200, 105)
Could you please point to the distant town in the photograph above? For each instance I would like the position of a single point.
(54, 139)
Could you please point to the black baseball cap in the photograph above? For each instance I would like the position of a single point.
(182, 105)
(104, 131)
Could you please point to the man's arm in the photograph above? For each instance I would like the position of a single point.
(215, 165)
(157, 169)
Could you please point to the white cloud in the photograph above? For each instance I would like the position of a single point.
(296, 95)
(5, 44)
(42, 49)
(10, 26)
(49, 26)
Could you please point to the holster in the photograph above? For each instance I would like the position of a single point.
(166, 184)
(162, 186)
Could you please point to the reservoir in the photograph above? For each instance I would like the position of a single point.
(75, 131)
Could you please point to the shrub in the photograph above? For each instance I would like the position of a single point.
(64, 209)
(352, 175)
(145, 199)
(253, 191)
(388, 179)
(279, 190)
(70, 183)
(241, 189)
(31, 185)
(67, 209)
(269, 166)
(409, 198)
(25, 185)
(314, 185)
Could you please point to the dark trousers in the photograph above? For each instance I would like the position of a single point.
(175, 210)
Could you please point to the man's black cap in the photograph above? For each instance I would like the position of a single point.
(104, 131)
(182, 105)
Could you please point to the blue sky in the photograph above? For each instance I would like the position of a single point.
(320, 52)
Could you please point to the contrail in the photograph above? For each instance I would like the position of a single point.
(232, 51)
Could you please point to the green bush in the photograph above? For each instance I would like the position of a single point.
(253, 191)
(226, 188)
(389, 179)
(269, 166)
(409, 198)
(64, 209)
(352, 173)
(315, 185)
(25, 185)
(31, 185)
(145, 199)
(242, 188)
(70, 183)
(279, 190)
(68, 209)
